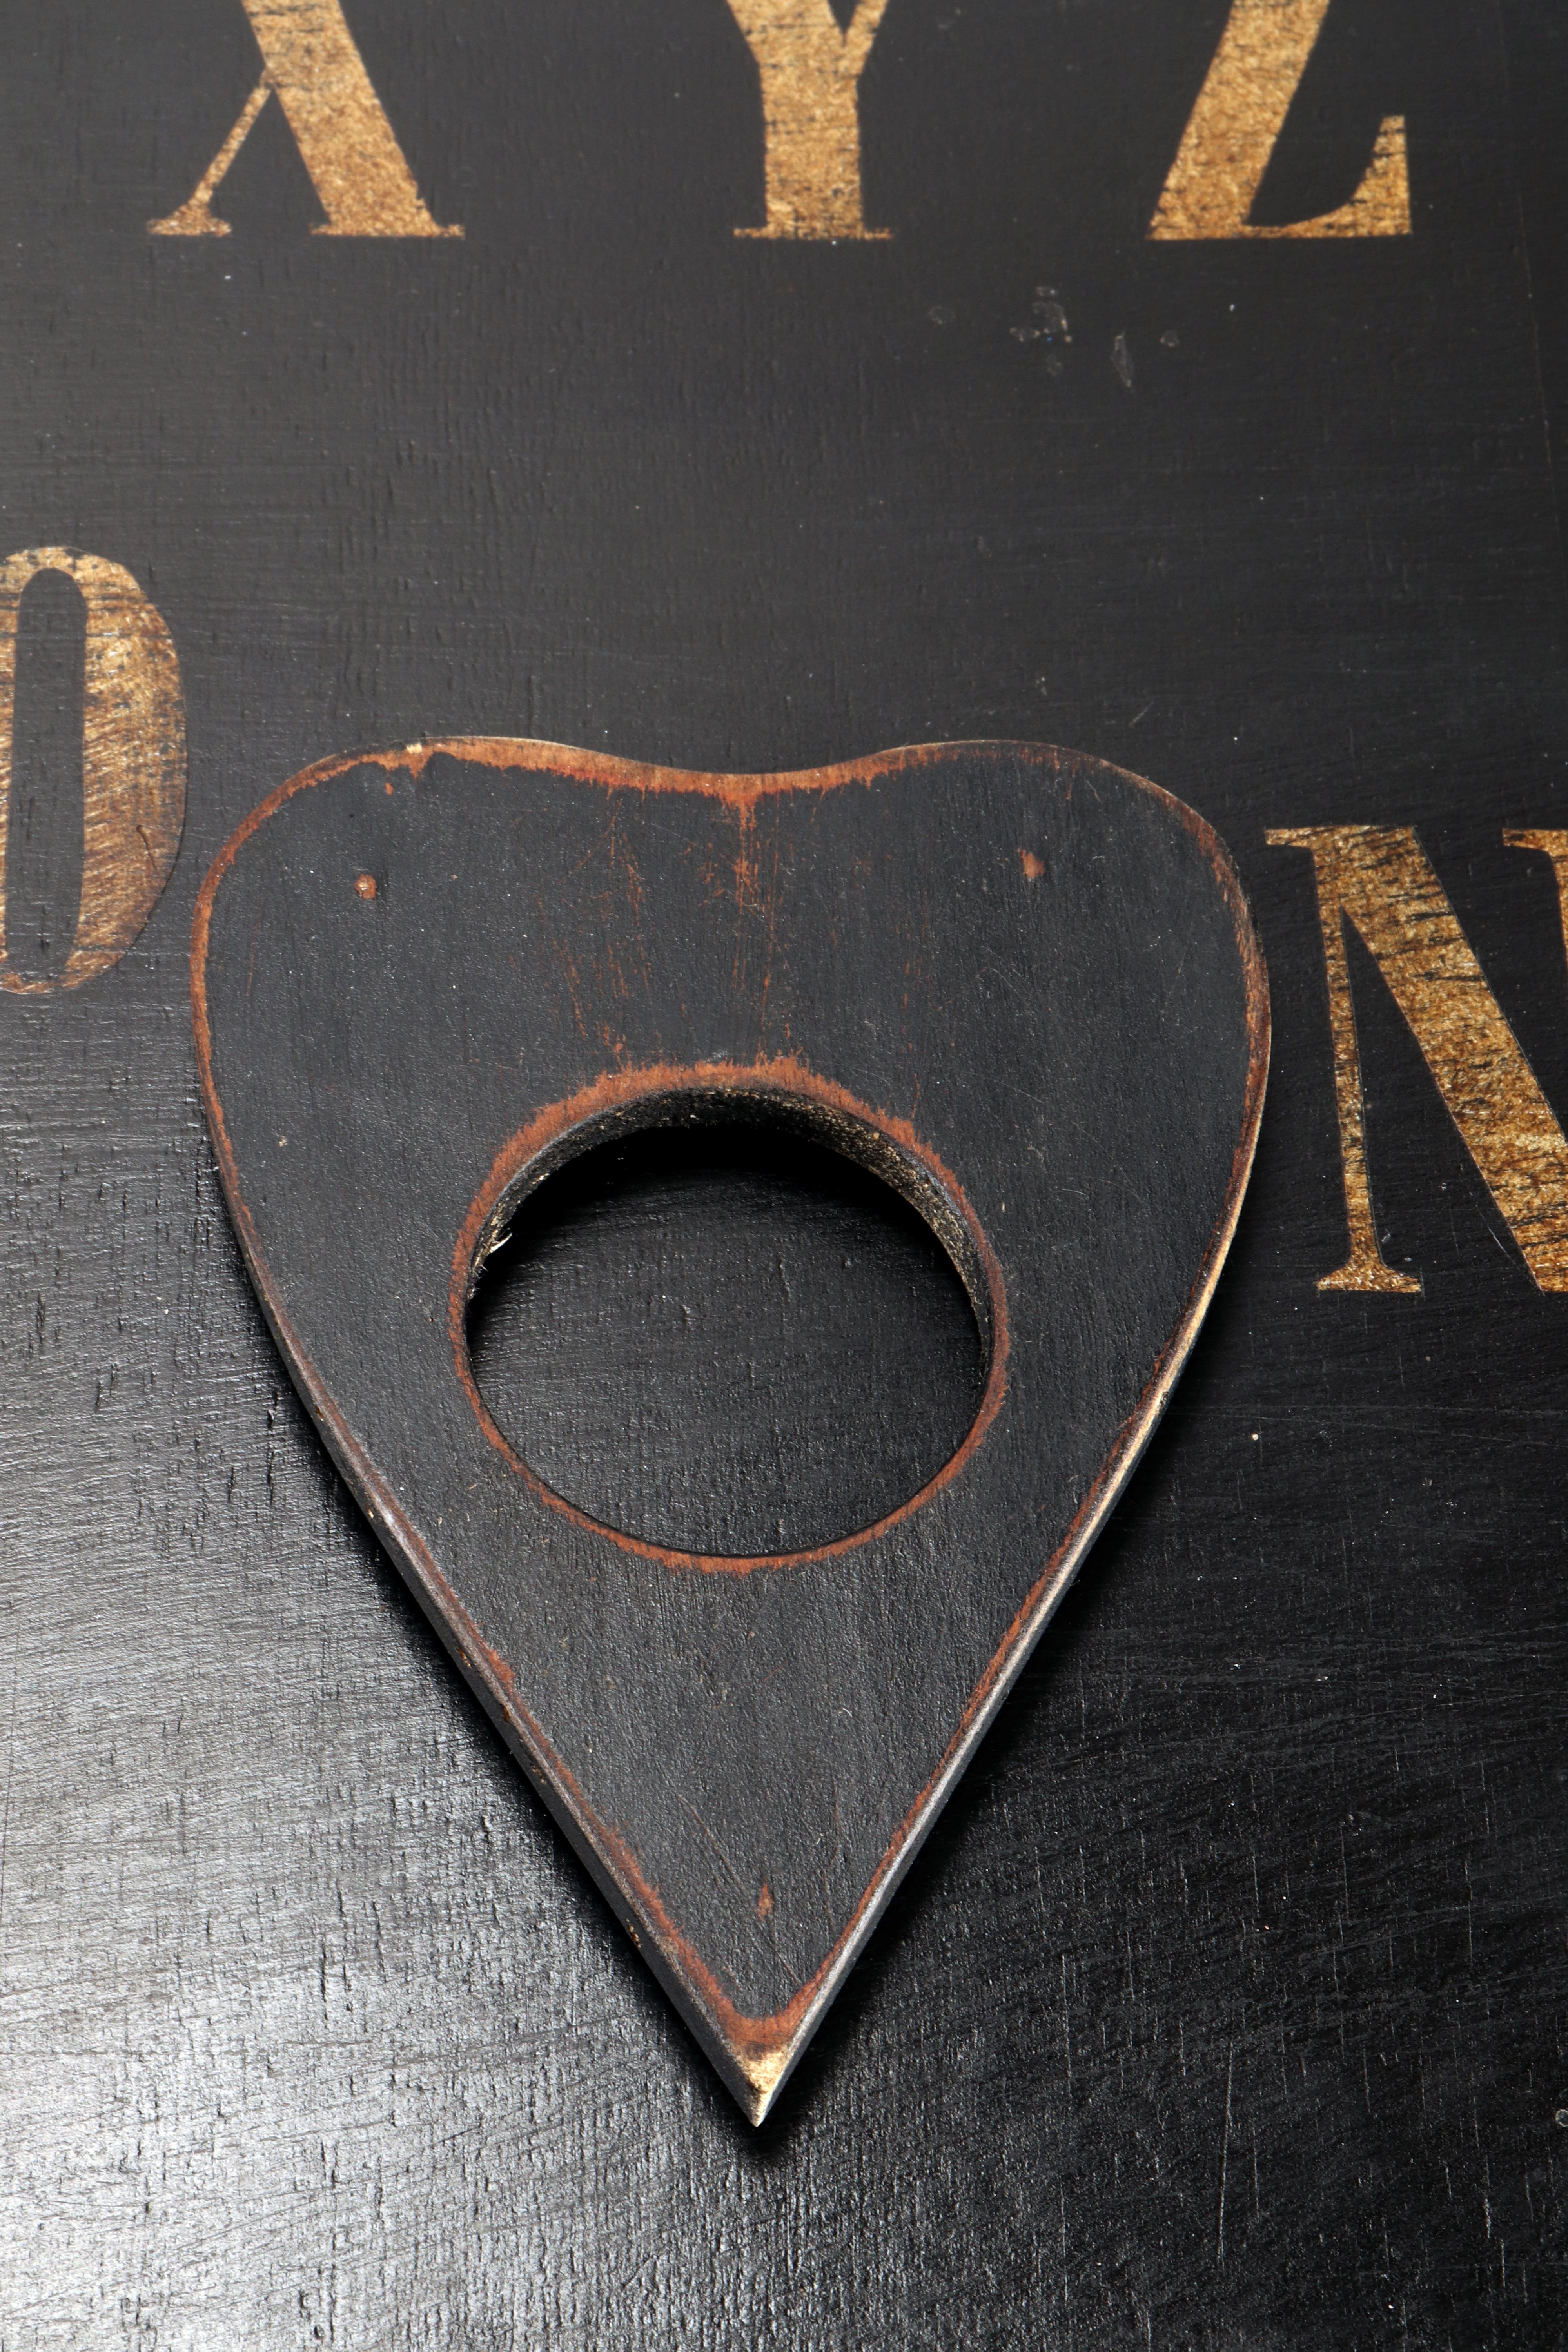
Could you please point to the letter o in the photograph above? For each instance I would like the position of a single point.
(133, 758)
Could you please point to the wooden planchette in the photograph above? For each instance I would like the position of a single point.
(1020, 986)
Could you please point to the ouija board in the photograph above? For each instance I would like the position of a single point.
(741, 387)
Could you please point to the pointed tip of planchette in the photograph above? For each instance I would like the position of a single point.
(753, 2057)
(760, 2079)
(754, 2071)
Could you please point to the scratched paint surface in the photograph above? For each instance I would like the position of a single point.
(1226, 2007)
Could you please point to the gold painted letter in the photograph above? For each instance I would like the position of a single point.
(133, 759)
(1240, 112)
(1378, 879)
(311, 65)
(811, 113)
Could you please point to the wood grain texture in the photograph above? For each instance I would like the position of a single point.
(1226, 2007)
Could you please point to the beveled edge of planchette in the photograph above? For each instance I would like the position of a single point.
(753, 2056)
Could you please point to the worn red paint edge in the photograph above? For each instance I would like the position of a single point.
(754, 2055)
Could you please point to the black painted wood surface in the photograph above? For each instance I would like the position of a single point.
(1226, 2005)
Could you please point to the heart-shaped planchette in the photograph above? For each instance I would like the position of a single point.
(1019, 984)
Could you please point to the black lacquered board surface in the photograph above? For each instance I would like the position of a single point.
(1225, 2005)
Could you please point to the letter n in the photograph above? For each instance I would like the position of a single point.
(1378, 879)
(310, 64)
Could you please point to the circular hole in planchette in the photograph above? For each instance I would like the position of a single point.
(727, 1339)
